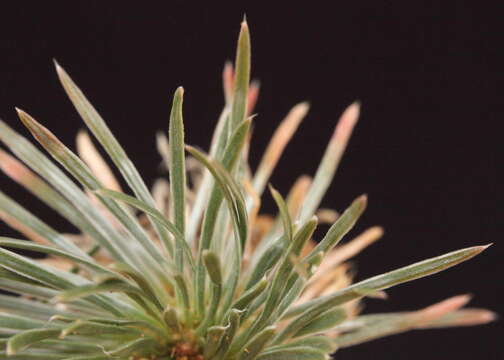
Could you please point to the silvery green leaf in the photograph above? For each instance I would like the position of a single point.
(177, 170)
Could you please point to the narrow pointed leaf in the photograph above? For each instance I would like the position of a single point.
(177, 169)
(382, 282)
(330, 160)
(155, 214)
(257, 344)
(26, 338)
(294, 353)
(340, 228)
(83, 174)
(241, 78)
(100, 129)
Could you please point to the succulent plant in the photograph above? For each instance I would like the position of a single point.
(191, 270)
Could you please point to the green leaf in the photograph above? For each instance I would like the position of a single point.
(177, 170)
(294, 353)
(22, 340)
(110, 285)
(155, 214)
(266, 262)
(34, 225)
(32, 356)
(171, 319)
(242, 77)
(33, 309)
(11, 321)
(323, 322)
(319, 342)
(284, 213)
(139, 279)
(278, 284)
(236, 205)
(231, 331)
(84, 175)
(257, 344)
(340, 228)
(10, 281)
(184, 292)
(55, 278)
(213, 266)
(250, 295)
(381, 282)
(213, 340)
(330, 161)
(33, 270)
(100, 129)
(98, 228)
(88, 357)
(137, 347)
(26, 245)
(82, 327)
(39, 188)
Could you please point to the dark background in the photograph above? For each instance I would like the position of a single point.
(426, 150)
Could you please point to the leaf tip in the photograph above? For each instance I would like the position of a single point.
(179, 91)
(362, 200)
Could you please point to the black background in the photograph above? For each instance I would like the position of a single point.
(426, 150)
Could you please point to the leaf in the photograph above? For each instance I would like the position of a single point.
(294, 353)
(98, 228)
(238, 212)
(100, 129)
(284, 213)
(463, 317)
(284, 269)
(241, 78)
(82, 327)
(257, 344)
(340, 228)
(381, 282)
(330, 160)
(250, 295)
(177, 170)
(110, 285)
(25, 245)
(231, 331)
(213, 340)
(39, 188)
(33, 270)
(277, 144)
(44, 356)
(266, 262)
(171, 319)
(33, 227)
(137, 347)
(213, 266)
(323, 322)
(11, 321)
(81, 172)
(155, 214)
(33, 309)
(139, 279)
(11, 282)
(93, 159)
(184, 292)
(22, 340)
(319, 342)
(53, 278)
